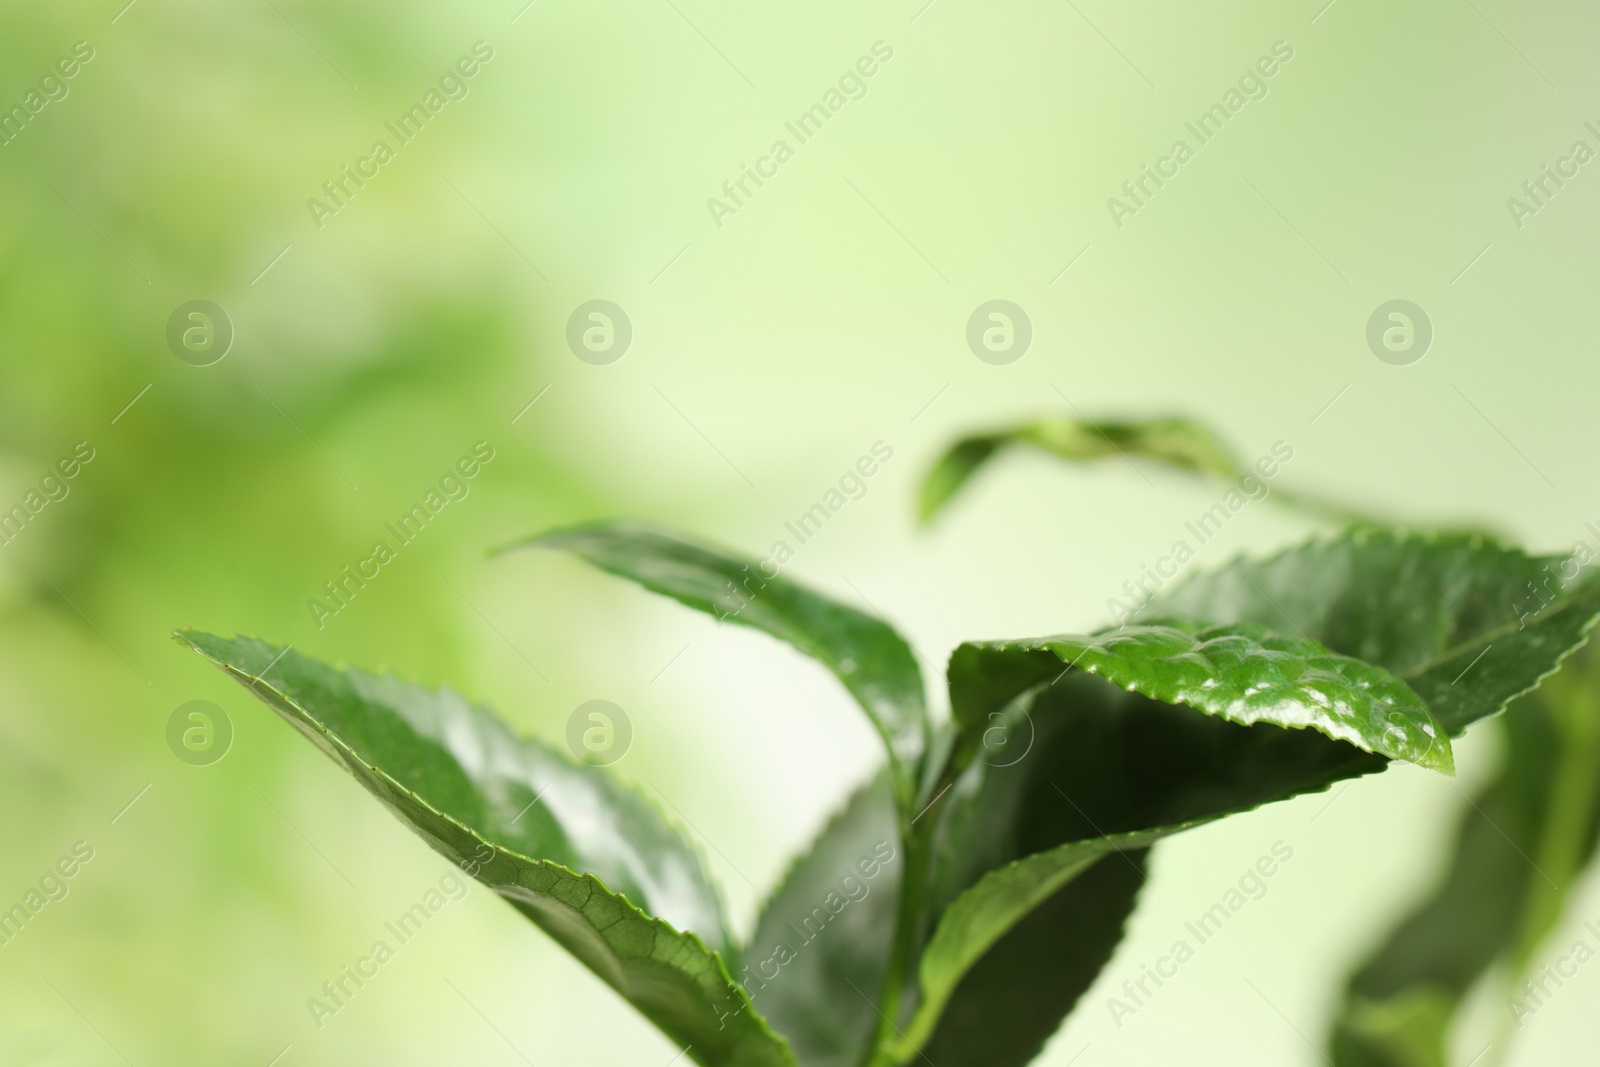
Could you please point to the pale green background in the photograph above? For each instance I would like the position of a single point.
(823, 317)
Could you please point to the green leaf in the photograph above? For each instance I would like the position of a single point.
(821, 945)
(1026, 940)
(1416, 605)
(1137, 766)
(1042, 839)
(585, 858)
(1519, 848)
(1244, 673)
(1467, 623)
(1034, 973)
(981, 917)
(1408, 1030)
(1176, 443)
(874, 662)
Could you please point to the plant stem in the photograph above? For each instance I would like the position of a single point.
(1318, 507)
(907, 921)
(918, 847)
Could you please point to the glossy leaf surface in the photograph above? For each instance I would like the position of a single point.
(1025, 951)
(1467, 623)
(874, 662)
(580, 854)
(1070, 757)
(1244, 673)
(1364, 602)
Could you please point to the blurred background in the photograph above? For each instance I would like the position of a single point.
(774, 340)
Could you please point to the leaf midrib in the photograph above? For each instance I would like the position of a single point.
(1490, 636)
(477, 835)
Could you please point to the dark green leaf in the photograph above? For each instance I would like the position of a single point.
(982, 916)
(866, 654)
(1063, 770)
(584, 857)
(1467, 623)
(1137, 766)
(822, 943)
(1128, 761)
(1037, 970)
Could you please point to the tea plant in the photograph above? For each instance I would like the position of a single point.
(1000, 885)
(1522, 839)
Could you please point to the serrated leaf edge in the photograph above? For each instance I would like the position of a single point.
(1403, 535)
(834, 819)
(253, 683)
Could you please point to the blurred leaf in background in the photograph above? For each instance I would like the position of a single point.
(1521, 844)
(363, 365)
